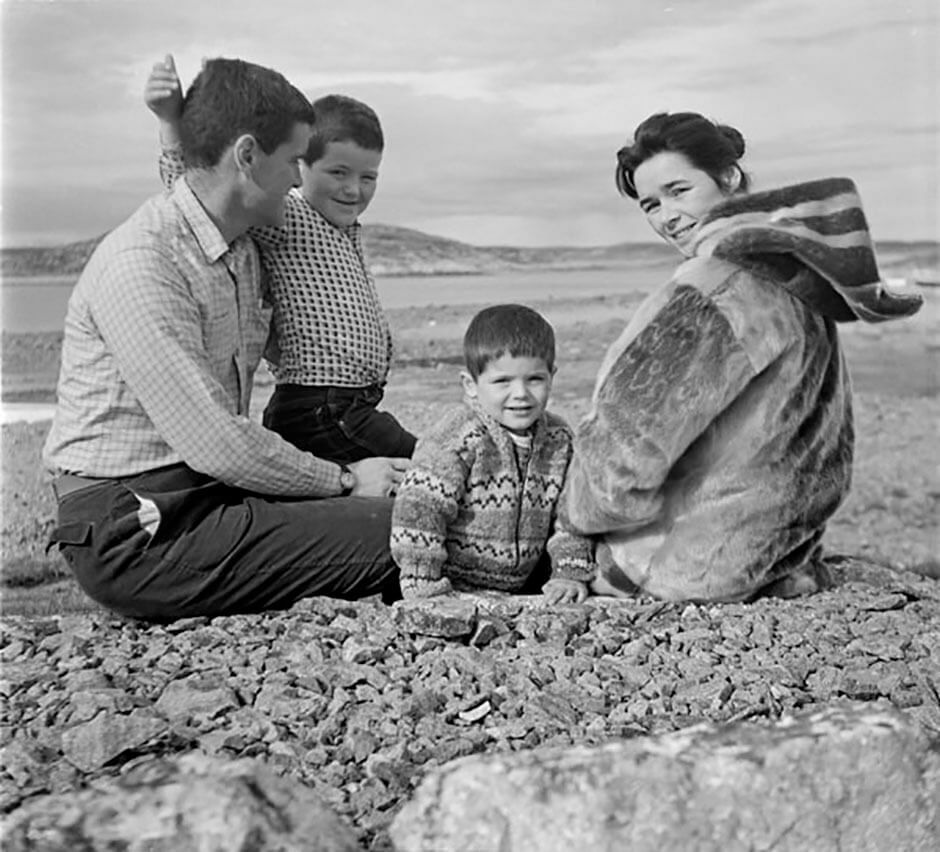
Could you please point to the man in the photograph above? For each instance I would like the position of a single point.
(172, 502)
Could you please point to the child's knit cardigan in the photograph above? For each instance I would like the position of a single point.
(466, 512)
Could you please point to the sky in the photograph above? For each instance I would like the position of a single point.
(501, 117)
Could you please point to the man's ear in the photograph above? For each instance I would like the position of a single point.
(469, 385)
(245, 151)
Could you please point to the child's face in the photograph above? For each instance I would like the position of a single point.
(340, 185)
(512, 389)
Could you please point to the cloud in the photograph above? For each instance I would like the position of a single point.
(501, 118)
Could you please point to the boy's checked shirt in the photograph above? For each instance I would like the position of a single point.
(330, 328)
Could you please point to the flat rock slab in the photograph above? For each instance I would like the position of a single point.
(859, 778)
(190, 804)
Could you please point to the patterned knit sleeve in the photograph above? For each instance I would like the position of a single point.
(425, 507)
(572, 555)
(658, 395)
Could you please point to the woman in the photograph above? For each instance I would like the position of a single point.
(720, 436)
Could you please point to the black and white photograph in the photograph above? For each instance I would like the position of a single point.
(470, 427)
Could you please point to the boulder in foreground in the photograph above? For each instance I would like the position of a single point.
(851, 777)
(188, 804)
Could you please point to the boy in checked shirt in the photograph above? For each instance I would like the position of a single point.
(331, 348)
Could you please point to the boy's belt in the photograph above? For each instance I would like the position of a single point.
(327, 394)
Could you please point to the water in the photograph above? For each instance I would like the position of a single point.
(524, 287)
(35, 304)
(39, 304)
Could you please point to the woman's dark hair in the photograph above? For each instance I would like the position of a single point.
(710, 147)
(230, 97)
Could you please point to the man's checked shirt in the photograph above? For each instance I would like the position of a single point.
(330, 328)
(163, 334)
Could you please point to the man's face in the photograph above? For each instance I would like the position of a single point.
(273, 175)
(340, 185)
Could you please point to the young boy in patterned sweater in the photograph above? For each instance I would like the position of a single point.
(477, 508)
(332, 346)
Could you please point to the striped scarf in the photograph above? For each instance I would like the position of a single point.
(817, 235)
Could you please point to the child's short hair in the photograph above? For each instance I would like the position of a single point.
(513, 330)
(340, 118)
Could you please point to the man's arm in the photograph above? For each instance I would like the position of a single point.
(153, 330)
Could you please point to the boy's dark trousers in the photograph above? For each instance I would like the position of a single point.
(217, 550)
(340, 424)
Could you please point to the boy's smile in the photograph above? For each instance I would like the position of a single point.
(512, 389)
(340, 185)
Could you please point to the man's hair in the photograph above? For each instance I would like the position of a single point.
(343, 119)
(513, 330)
(229, 98)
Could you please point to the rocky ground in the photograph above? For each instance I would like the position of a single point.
(359, 701)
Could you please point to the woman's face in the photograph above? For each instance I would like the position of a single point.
(675, 195)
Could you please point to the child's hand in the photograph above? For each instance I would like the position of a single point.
(560, 591)
(412, 588)
(163, 93)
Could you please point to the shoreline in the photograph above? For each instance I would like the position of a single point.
(25, 412)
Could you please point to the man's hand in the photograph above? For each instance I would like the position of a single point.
(163, 93)
(378, 477)
(559, 591)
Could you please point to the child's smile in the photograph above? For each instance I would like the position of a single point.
(512, 389)
(340, 185)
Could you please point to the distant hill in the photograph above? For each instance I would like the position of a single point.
(390, 250)
(404, 251)
(47, 260)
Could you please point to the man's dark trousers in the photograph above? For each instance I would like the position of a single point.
(219, 550)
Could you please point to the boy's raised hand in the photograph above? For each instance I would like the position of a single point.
(561, 591)
(163, 93)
